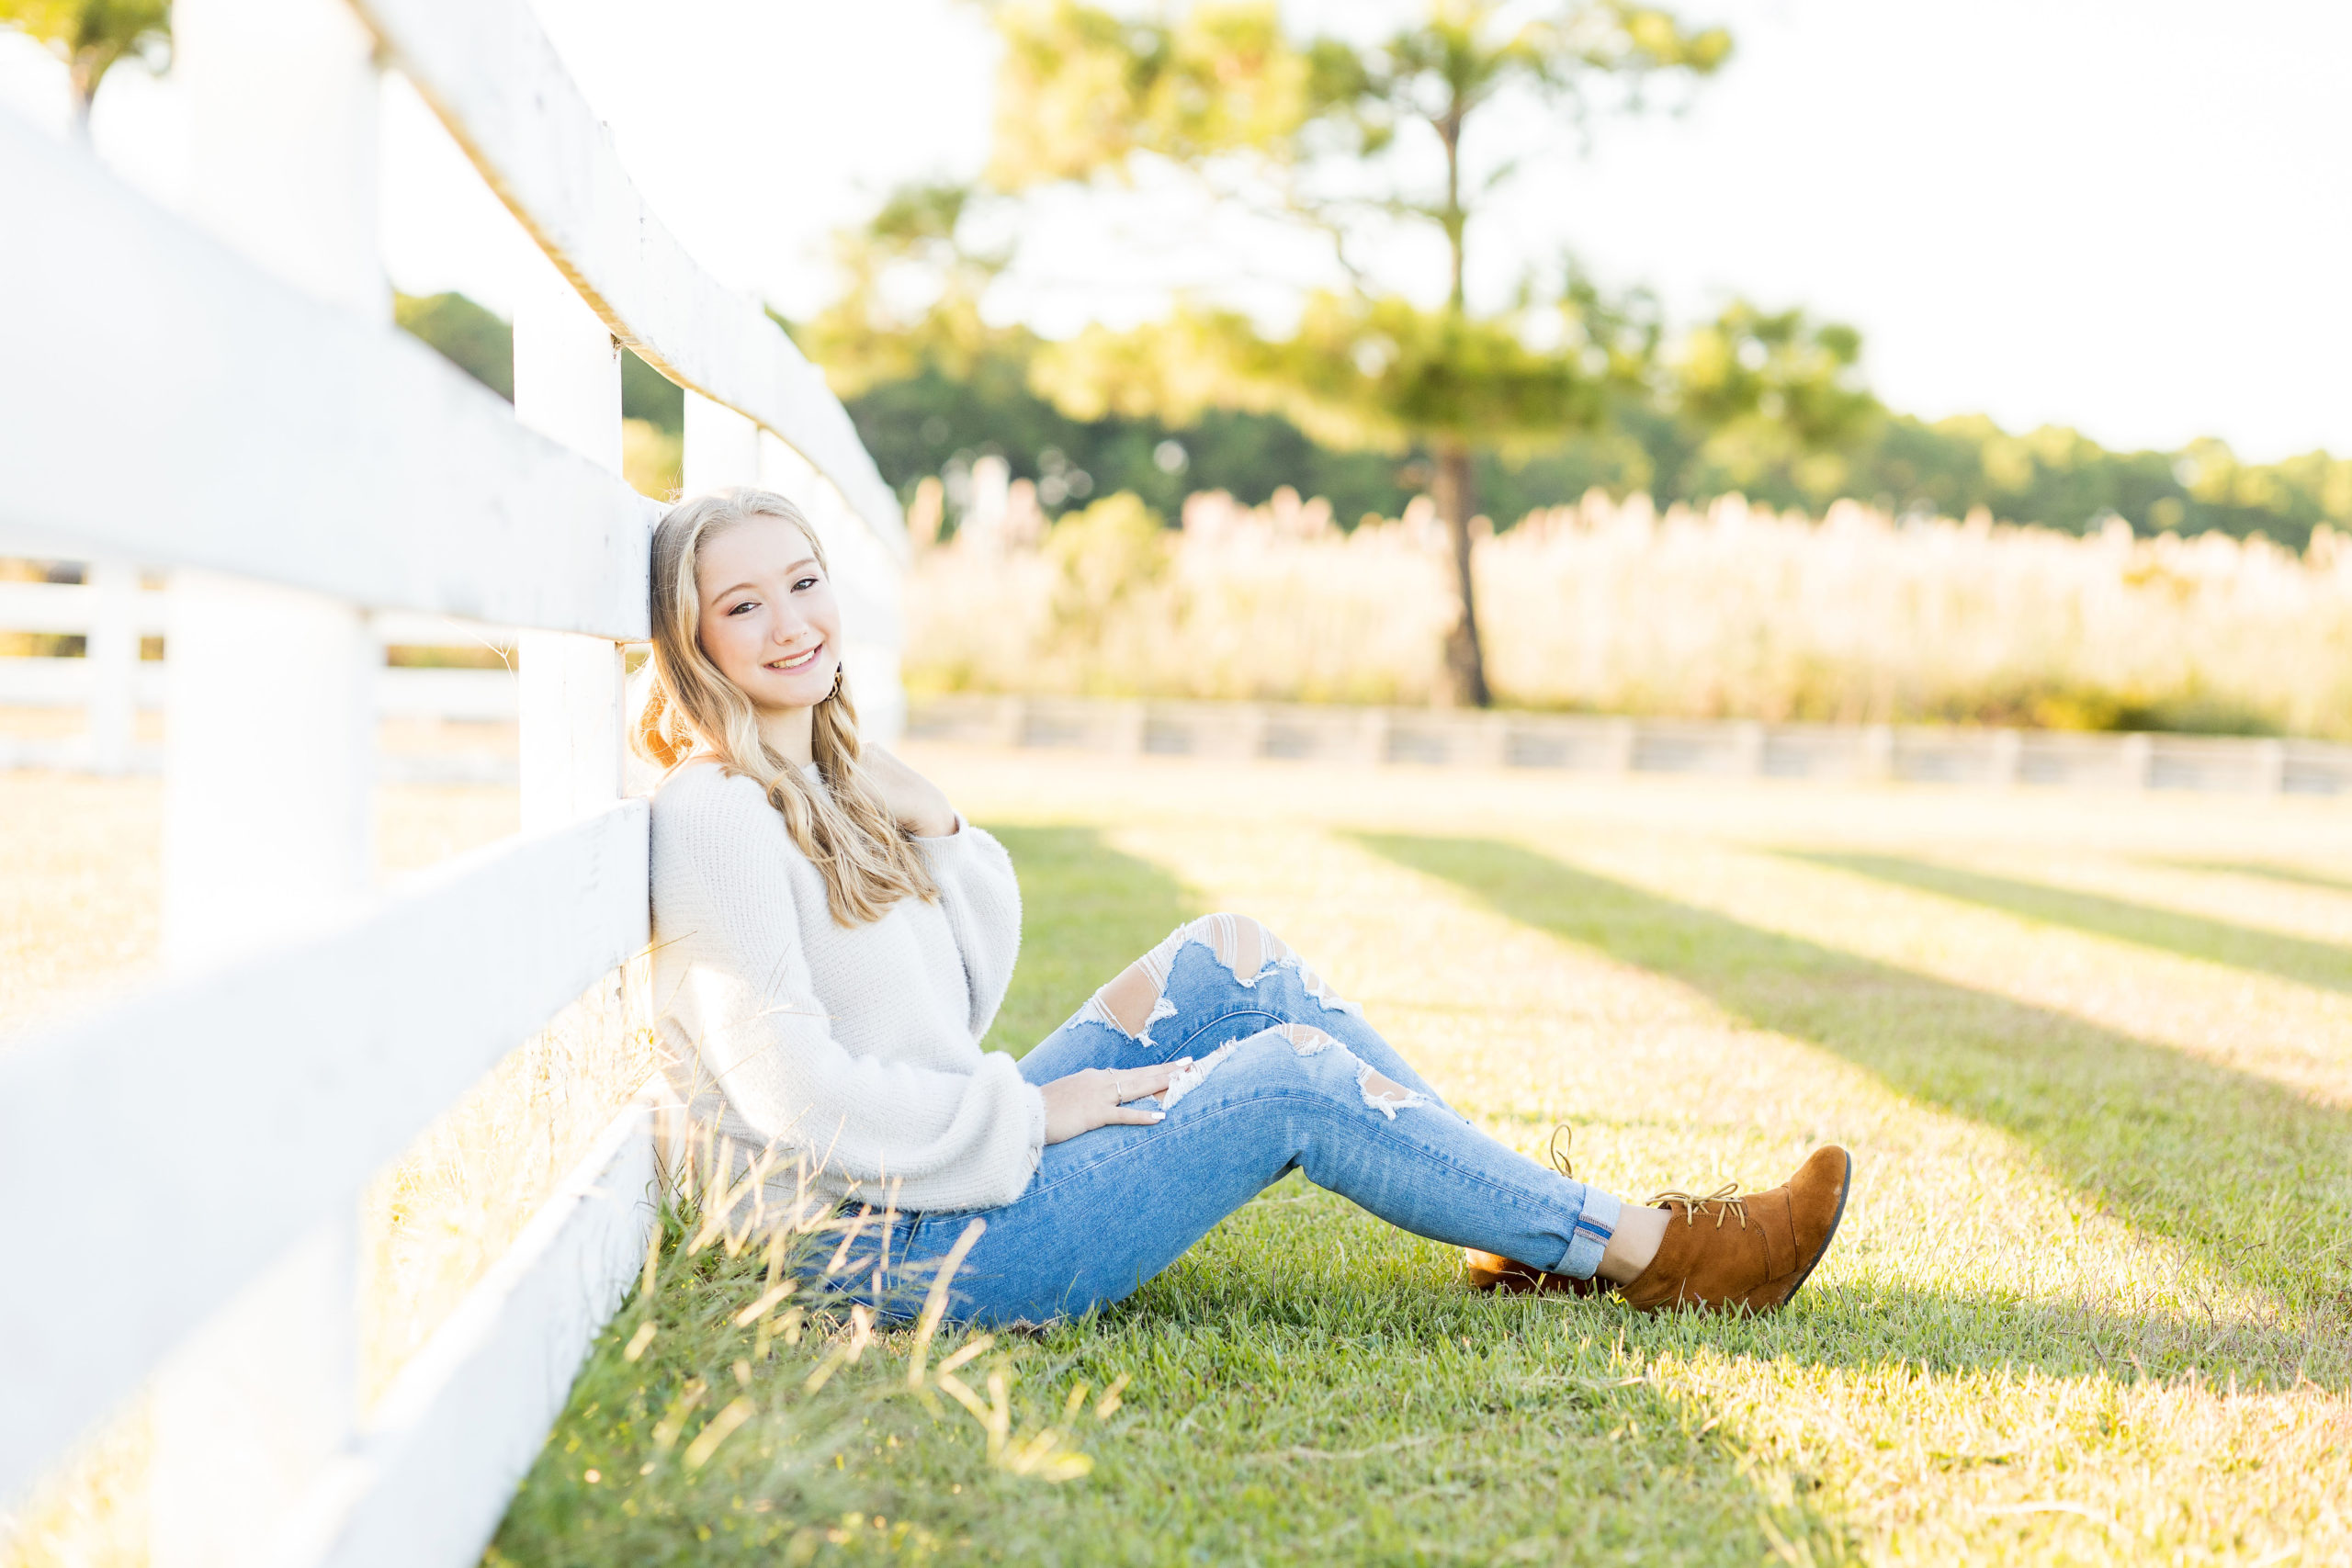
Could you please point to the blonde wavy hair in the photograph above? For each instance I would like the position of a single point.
(868, 862)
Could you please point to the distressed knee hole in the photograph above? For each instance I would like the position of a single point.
(1184, 1082)
(1378, 1092)
(1138, 998)
(1305, 1039)
(1247, 949)
(1243, 946)
(1131, 1001)
(1385, 1094)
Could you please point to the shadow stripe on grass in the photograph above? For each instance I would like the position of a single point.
(1309, 1385)
(2269, 871)
(2300, 959)
(2254, 1180)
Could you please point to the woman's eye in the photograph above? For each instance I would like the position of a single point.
(746, 604)
(804, 582)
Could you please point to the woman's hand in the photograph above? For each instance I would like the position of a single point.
(917, 803)
(1098, 1098)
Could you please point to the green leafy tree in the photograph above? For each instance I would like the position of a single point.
(929, 380)
(1771, 397)
(1354, 143)
(1765, 402)
(92, 37)
(481, 342)
(476, 340)
(910, 296)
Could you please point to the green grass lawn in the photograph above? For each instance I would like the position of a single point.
(2092, 1303)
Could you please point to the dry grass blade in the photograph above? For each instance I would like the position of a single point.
(934, 1306)
(769, 1300)
(722, 1425)
(969, 1353)
(673, 1421)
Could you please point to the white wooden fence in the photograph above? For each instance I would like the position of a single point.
(227, 400)
(110, 685)
(107, 684)
(1729, 749)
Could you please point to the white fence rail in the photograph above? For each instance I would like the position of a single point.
(110, 684)
(226, 399)
(1997, 758)
(1920, 753)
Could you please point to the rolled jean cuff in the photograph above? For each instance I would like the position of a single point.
(1594, 1226)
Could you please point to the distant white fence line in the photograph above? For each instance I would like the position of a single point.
(111, 684)
(226, 401)
(1731, 748)
(1722, 748)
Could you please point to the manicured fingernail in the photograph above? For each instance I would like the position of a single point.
(1159, 1116)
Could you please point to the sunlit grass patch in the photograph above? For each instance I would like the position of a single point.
(1263, 1400)
(2092, 1301)
(734, 1410)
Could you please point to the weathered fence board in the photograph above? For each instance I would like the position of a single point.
(70, 609)
(233, 406)
(239, 425)
(268, 829)
(490, 73)
(269, 1091)
(461, 1425)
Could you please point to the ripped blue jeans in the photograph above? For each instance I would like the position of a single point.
(1285, 1076)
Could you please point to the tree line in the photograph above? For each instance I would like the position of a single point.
(1657, 441)
(933, 408)
(1371, 394)
(1391, 375)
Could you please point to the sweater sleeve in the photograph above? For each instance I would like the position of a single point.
(983, 900)
(939, 1139)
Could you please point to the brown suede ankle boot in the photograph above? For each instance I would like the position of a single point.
(1493, 1271)
(1726, 1253)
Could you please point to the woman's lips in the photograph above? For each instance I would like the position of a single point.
(796, 661)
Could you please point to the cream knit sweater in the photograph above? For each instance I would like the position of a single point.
(852, 1052)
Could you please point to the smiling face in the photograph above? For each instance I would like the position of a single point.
(769, 618)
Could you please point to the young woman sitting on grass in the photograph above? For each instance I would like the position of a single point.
(832, 941)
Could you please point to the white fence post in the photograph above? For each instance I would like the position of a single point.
(1624, 745)
(112, 651)
(1747, 742)
(722, 447)
(2270, 767)
(567, 387)
(267, 800)
(297, 460)
(1875, 761)
(2007, 758)
(2135, 758)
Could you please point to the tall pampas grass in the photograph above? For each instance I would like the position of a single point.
(1734, 612)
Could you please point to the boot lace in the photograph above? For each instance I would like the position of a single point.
(1723, 1201)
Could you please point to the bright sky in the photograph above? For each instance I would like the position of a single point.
(2131, 215)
